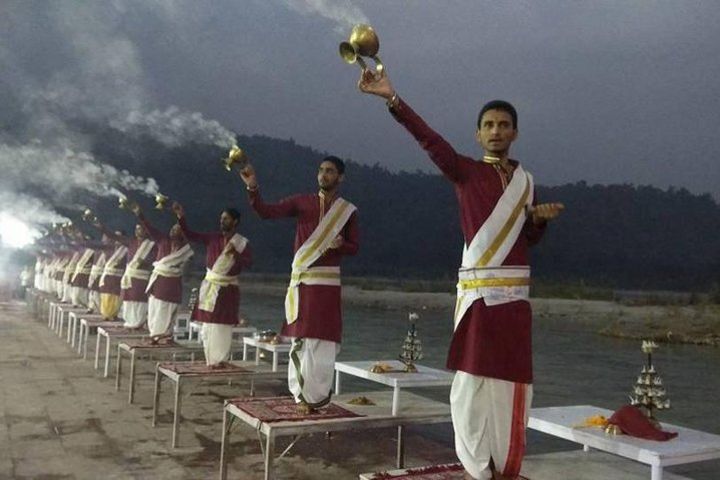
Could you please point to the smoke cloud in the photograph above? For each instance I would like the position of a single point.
(342, 12)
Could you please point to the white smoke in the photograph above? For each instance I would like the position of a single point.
(29, 209)
(106, 81)
(59, 171)
(173, 127)
(21, 218)
(342, 12)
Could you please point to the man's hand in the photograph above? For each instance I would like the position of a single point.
(337, 242)
(248, 176)
(376, 84)
(135, 209)
(545, 211)
(178, 210)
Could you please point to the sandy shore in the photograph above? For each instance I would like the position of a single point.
(695, 324)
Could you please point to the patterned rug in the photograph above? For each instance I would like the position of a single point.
(144, 343)
(112, 329)
(284, 409)
(450, 471)
(103, 323)
(201, 368)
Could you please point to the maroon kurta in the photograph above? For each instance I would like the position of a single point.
(106, 250)
(81, 280)
(227, 306)
(168, 289)
(491, 341)
(112, 282)
(136, 292)
(60, 271)
(320, 306)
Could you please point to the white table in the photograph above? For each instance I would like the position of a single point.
(237, 330)
(53, 313)
(425, 377)
(62, 309)
(275, 348)
(688, 447)
(92, 322)
(417, 411)
(114, 333)
(139, 347)
(238, 371)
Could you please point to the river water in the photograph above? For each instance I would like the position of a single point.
(572, 366)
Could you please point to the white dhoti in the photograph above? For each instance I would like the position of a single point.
(134, 313)
(66, 295)
(217, 340)
(79, 296)
(94, 300)
(161, 316)
(489, 417)
(311, 370)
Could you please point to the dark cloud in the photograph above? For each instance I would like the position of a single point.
(607, 91)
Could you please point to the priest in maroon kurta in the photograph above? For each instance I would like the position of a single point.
(315, 324)
(141, 251)
(165, 284)
(110, 289)
(491, 345)
(228, 253)
(103, 252)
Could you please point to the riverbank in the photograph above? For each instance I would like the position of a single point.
(687, 324)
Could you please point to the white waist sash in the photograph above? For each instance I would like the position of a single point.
(311, 276)
(210, 289)
(312, 249)
(496, 285)
(130, 273)
(132, 270)
(170, 266)
(483, 274)
(95, 272)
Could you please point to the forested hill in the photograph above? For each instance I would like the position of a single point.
(619, 236)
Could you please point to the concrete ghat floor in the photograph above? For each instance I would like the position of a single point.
(62, 420)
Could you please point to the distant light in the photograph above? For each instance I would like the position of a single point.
(15, 233)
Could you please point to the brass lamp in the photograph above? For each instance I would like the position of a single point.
(363, 42)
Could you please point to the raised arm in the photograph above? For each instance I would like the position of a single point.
(114, 236)
(151, 230)
(192, 236)
(437, 148)
(286, 207)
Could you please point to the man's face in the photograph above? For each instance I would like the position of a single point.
(140, 233)
(496, 132)
(227, 222)
(106, 240)
(328, 176)
(176, 233)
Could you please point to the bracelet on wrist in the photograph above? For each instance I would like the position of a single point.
(393, 101)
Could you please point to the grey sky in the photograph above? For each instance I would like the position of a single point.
(608, 92)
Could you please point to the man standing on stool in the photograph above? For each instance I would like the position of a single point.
(218, 304)
(491, 346)
(326, 230)
(164, 288)
(109, 283)
(140, 252)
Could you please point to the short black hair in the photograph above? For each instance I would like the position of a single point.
(501, 105)
(234, 213)
(339, 164)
